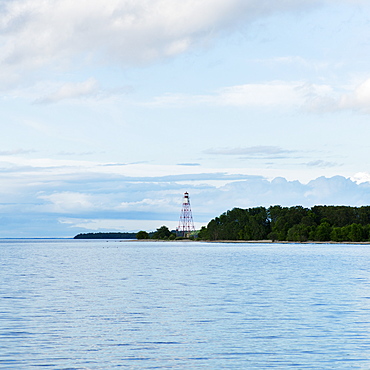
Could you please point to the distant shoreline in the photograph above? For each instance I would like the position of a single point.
(192, 241)
(241, 241)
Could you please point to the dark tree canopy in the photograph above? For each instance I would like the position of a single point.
(163, 233)
(142, 235)
(320, 223)
(106, 236)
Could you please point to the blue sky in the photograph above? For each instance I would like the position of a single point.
(111, 111)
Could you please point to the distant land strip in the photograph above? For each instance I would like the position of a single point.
(110, 235)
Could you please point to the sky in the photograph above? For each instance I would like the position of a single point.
(110, 111)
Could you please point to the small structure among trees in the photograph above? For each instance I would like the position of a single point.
(186, 224)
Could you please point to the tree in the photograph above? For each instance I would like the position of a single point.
(339, 234)
(204, 234)
(320, 223)
(142, 235)
(323, 232)
(162, 233)
(298, 233)
(356, 233)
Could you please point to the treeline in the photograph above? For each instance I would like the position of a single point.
(298, 224)
(109, 235)
(163, 233)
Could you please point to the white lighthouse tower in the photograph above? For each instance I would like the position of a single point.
(186, 224)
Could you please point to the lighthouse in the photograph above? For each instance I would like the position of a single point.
(186, 224)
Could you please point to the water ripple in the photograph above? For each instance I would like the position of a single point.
(82, 305)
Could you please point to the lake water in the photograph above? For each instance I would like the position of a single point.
(68, 304)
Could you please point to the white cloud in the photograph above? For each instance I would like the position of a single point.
(336, 190)
(16, 152)
(321, 163)
(361, 177)
(267, 95)
(35, 33)
(280, 94)
(354, 97)
(296, 60)
(66, 202)
(358, 99)
(148, 204)
(259, 151)
(72, 91)
(38, 35)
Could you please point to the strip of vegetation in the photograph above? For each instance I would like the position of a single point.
(106, 236)
(162, 233)
(298, 224)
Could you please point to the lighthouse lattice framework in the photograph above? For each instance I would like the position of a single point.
(186, 224)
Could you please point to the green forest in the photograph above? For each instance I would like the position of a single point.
(297, 224)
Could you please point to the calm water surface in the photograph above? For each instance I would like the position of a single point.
(67, 304)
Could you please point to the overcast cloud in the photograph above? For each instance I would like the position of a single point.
(38, 32)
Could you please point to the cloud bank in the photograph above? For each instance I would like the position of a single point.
(260, 151)
(59, 199)
(280, 95)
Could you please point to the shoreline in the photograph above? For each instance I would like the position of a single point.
(242, 241)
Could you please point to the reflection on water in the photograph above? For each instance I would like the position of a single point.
(67, 304)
